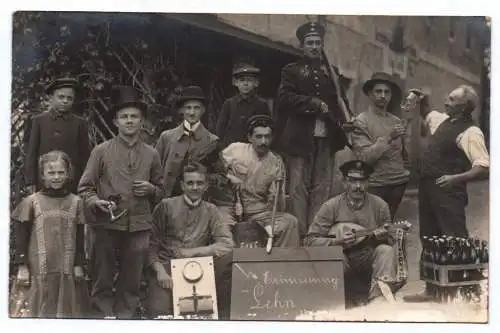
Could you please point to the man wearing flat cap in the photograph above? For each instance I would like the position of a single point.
(378, 138)
(123, 176)
(374, 254)
(309, 114)
(58, 129)
(231, 123)
(257, 176)
(188, 142)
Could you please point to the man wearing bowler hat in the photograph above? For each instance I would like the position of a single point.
(58, 129)
(374, 255)
(309, 113)
(120, 186)
(188, 142)
(378, 139)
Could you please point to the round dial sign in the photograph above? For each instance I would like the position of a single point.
(192, 272)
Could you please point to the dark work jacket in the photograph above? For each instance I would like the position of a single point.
(232, 120)
(297, 113)
(50, 131)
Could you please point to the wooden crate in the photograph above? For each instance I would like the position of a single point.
(440, 275)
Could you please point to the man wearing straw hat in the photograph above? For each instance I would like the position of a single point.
(378, 139)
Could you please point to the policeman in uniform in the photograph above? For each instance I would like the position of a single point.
(309, 126)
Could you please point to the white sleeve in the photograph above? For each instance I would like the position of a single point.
(472, 143)
(434, 119)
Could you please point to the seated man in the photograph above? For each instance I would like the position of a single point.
(258, 175)
(186, 226)
(373, 254)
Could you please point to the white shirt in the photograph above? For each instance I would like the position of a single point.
(190, 127)
(470, 141)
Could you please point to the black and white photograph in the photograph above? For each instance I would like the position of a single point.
(249, 167)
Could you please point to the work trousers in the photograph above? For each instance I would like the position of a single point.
(391, 194)
(376, 261)
(286, 229)
(120, 299)
(310, 182)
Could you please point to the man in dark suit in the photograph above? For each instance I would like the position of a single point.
(311, 118)
(58, 129)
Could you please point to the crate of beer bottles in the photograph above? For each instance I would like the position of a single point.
(449, 261)
(453, 275)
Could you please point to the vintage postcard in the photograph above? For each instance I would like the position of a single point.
(250, 167)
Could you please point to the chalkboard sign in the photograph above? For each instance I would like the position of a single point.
(286, 283)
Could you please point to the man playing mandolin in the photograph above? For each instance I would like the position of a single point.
(343, 219)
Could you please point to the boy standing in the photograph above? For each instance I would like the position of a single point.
(58, 129)
(231, 125)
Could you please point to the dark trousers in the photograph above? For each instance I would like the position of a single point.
(392, 194)
(310, 180)
(159, 301)
(132, 251)
(441, 211)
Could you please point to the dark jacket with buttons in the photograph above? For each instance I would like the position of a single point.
(176, 149)
(297, 111)
(52, 131)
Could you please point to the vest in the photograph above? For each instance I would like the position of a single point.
(442, 156)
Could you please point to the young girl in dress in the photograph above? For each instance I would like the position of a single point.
(50, 243)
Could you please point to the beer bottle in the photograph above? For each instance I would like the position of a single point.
(443, 260)
(437, 251)
(485, 254)
(425, 248)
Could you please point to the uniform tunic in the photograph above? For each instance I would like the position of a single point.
(52, 254)
(308, 138)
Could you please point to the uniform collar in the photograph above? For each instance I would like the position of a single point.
(249, 97)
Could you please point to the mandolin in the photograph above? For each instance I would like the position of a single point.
(360, 233)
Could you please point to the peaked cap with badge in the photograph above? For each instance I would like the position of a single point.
(244, 67)
(356, 169)
(126, 96)
(62, 82)
(310, 29)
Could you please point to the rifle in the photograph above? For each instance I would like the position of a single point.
(347, 126)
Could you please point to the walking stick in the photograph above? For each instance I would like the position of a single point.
(270, 234)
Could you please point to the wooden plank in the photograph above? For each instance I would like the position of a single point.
(288, 254)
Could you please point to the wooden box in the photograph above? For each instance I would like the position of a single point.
(286, 283)
(452, 275)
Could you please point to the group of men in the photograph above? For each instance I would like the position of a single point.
(159, 194)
